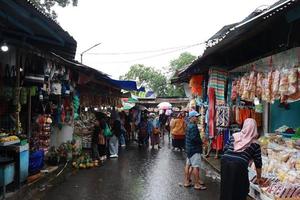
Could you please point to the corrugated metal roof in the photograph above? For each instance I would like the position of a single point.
(22, 19)
(237, 31)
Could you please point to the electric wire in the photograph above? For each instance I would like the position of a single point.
(153, 56)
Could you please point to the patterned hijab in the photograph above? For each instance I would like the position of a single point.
(246, 137)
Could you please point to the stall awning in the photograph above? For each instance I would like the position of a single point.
(126, 85)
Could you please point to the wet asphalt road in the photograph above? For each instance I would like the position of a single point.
(138, 173)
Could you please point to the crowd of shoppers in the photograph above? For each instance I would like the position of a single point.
(111, 133)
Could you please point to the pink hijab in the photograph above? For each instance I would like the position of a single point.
(246, 137)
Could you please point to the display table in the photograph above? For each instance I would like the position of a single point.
(280, 171)
(7, 173)
(20, 156)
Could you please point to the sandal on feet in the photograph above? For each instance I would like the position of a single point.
(200, 187)
(188, 184)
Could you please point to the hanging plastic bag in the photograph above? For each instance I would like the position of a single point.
(259, 85)
(275, 85)
(292, 79)
(284, 83)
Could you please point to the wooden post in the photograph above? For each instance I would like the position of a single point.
(17, 90)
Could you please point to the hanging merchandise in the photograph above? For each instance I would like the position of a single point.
(41, 133)
(245, 94)
(284, 83)
(234, 90)
(293, 78)
(259, 108)
(23, 96)
(211, 109)
(251, 87)
(56, 88)
(229, 90)
(218, 80)
(222, 116)
(196, 84)
(187, 90)
(275, 85)
(259, 84)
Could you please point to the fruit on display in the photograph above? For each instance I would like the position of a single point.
(85, 162)
(9, 139)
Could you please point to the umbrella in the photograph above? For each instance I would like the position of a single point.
(164, 106)
(127, 106)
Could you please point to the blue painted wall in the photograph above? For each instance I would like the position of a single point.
(280, 116)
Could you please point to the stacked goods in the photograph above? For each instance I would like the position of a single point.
(281, 168)
(40, 139)
(84, 127)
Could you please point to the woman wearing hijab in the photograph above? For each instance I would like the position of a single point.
(239, 152)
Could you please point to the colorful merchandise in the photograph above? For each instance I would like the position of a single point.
(196, 84)
(218, 80)
(211, 96)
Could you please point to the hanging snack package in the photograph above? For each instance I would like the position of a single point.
(245, 92)
(264, 89)
(269, 91)
(238, 85)
(292, 79)
(259, 85)
(234, 90)
(284, 83)
(275, 85)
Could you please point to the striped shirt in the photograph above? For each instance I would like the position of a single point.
(253, 152)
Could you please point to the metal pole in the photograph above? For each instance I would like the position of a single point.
(81, 55)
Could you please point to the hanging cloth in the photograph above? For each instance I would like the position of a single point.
(211, 96)
(218, 80)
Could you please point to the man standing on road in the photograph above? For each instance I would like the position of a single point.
(193, 148)
(162, 122)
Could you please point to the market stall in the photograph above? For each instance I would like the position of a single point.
(281, 167)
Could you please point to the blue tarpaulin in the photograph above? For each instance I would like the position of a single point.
(126, 85)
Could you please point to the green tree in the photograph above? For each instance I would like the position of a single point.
(47, 5)
(149, 77)
(156, 80)
(179, 63)
(183, 60)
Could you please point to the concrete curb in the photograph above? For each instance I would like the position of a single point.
(27, 191)
(211, 164)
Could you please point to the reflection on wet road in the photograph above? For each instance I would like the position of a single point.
(138, 173)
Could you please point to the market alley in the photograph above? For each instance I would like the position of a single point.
(138, 173)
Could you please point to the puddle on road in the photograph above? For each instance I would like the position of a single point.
(210, 172)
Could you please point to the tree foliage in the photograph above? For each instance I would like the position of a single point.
(47, 5)
(182, 61)
(149, 77)
(157, 81)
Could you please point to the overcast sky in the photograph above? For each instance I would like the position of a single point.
(146, 25)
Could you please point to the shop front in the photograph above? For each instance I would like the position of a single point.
(243, 74)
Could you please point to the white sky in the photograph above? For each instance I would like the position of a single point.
(141, 25)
